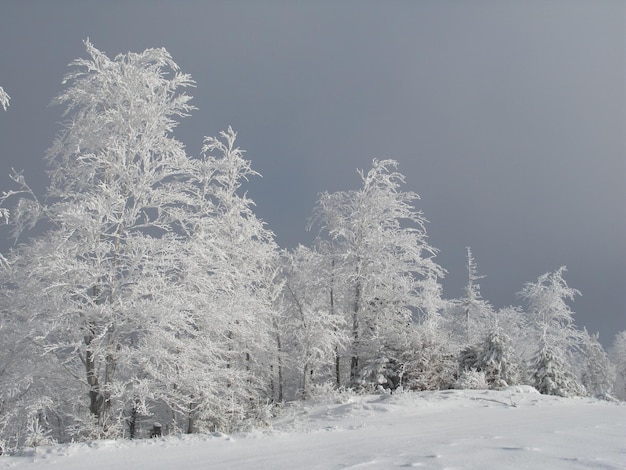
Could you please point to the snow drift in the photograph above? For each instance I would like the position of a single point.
(512, 428)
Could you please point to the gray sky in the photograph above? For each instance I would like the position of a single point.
(508, 118)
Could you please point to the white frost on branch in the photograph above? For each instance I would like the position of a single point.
(4, 98)
(153, 284)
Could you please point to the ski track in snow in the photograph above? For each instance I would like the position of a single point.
(455, 429)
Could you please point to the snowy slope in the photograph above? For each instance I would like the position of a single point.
(514, 428)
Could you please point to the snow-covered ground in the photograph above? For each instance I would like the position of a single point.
(514, 428)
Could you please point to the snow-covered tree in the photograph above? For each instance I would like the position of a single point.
(381, 253)
(558, 336)
(113, 171)
(471, 379)
(4, 99)
(314, 326)
(598, 374)
(551, 374)
(468, 358)
(618, 358)
(521, 336)
(29, 379)
(497, 360)
(152, 285)
(229, 265)
(430, 362)
(477, 313)
(494, 358)
(547, 305)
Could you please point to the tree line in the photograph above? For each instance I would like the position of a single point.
(143, 287)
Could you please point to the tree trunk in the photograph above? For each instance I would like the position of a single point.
(132, 422)
(92, 379)
(337, 369)
(109, 374)
(305, 374)
(90, 365)
(354, 363)
(191, 422)
(279, 361)
(332, 312)
(468, 331)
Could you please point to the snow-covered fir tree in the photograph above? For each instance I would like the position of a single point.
(521, 337)
(497, 360)
(618, 358)
(598, 374)
(551, 373)
(477, 313)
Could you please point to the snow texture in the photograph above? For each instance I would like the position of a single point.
(512, 428)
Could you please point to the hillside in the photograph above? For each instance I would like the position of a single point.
(513, 428)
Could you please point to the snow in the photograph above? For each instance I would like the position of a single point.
(513, 428)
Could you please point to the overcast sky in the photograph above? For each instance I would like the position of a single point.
(508, 118)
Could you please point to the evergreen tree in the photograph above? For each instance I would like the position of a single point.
(477, 313)
(468, 358)
(521, 337)
(618, 358)
(496, 360)
(551, 374)
(598, 374)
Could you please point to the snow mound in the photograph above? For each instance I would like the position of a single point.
(521, 389)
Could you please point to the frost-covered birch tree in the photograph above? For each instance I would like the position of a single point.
(114, 178)
(382, 252)
(314, 323)
(32, 385)
(229, 267)
(152, 284)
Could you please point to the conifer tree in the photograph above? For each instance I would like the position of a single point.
(598, 374)
(496, 360)
(618, 358)
(551, 374)
(477, 313)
